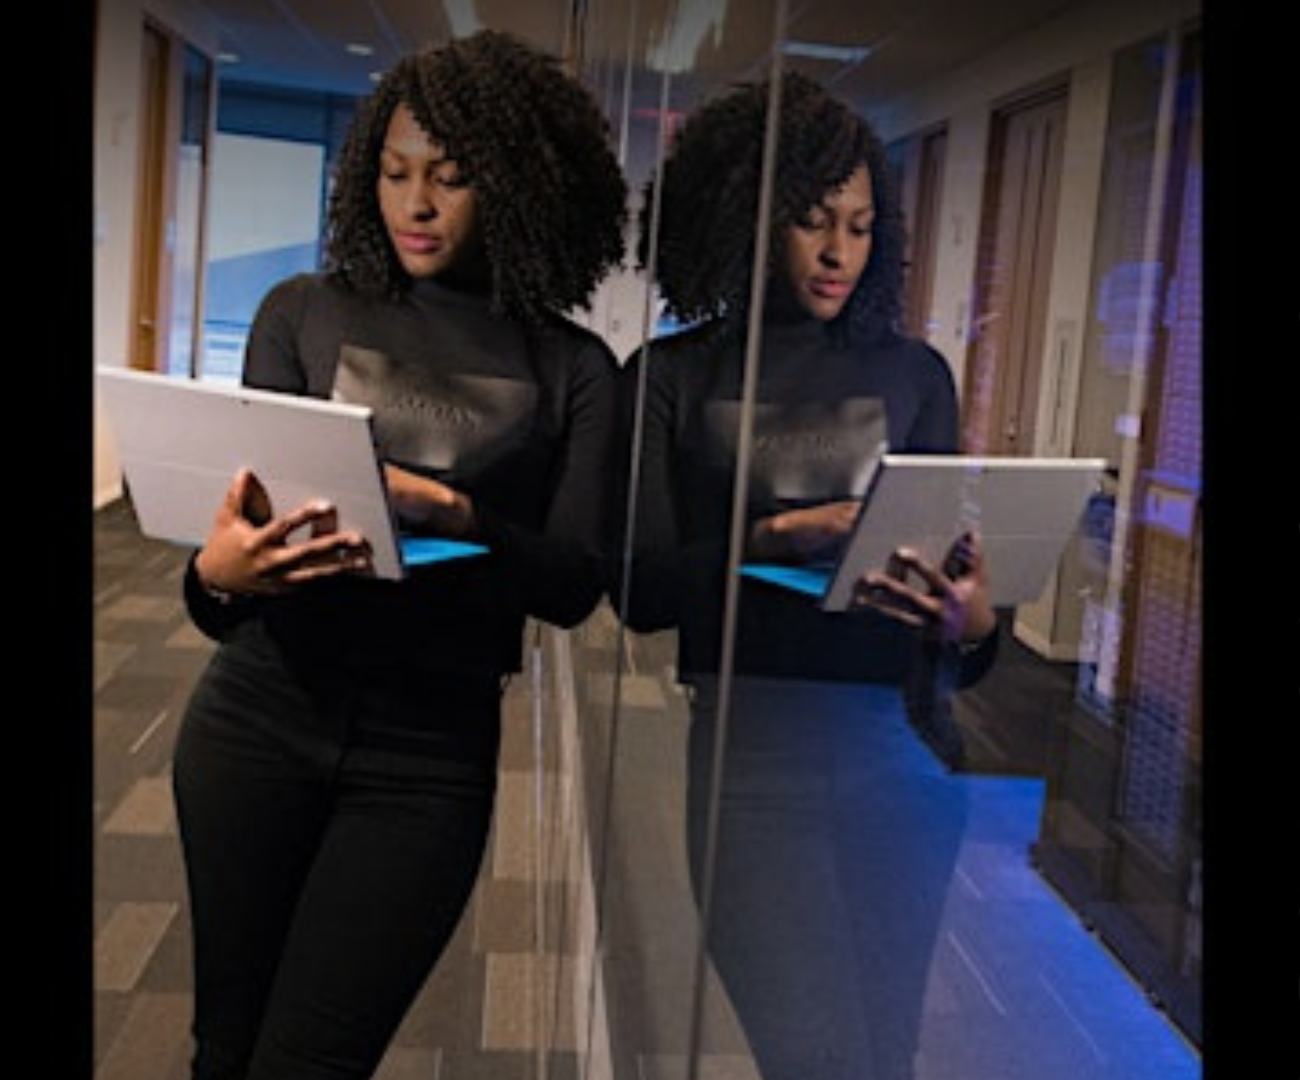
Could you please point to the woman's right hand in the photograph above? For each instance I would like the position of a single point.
(248, 550)
(952, 602)
(810, 534)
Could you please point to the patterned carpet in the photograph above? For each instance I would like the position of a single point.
(477, 1017)
(1019, 990)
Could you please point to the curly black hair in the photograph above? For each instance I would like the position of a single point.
(533, 144)
(709, 200)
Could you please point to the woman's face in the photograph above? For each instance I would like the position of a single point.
(430, 213)
(826, 251)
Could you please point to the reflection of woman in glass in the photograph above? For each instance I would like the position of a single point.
(336, 768)
(836, 828)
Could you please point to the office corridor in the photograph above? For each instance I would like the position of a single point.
(1019, 991)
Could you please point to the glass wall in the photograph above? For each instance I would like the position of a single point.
(775, 849)
(858, 902)
(1122, 832)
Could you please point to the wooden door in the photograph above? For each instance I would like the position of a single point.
(176, 103)
(919, 161)
(150, 304)
(1018, 225)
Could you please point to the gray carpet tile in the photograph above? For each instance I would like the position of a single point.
(1019, 987)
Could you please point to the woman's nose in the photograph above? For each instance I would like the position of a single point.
(421, 202)
(835, 242)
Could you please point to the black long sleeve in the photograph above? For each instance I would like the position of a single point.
(900, 391)
(521, 420)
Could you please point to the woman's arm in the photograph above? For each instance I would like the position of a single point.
(555, 572)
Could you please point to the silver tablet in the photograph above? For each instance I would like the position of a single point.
(181, 442)
(1024, 508)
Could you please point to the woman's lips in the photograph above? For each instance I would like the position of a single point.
(419, 244)
(830, 289)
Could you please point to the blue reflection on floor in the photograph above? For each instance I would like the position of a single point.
(1019, 989)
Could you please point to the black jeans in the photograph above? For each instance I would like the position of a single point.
(333, 828)
(837, 835)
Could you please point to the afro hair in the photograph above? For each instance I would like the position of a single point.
(533, 144)
(708, 202)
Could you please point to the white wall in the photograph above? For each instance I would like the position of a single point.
(116, 159)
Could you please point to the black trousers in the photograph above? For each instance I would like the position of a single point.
(837, 832)
(333, 827)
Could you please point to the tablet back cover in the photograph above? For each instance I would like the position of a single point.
(180, 443)
(1025, 509)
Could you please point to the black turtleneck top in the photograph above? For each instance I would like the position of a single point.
(822, 408)
(520, 420)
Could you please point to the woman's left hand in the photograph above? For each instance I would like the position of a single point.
(953, 602)
(429, 505)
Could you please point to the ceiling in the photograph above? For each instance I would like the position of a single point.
(878, 47)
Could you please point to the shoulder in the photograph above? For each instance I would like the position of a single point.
(296, 293)
(925, 353)
(915, 356)
(573, 360)
(700, 340)
(679, 354)
(572, 343)
(304, 284)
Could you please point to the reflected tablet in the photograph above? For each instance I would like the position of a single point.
(1024, 508)
(181, 442)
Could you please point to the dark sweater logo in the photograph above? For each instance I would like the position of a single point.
(455, 425)
(805, 445)
(439, 413)
(803, 451)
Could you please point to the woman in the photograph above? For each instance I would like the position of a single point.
(820, 903)
(335, 770)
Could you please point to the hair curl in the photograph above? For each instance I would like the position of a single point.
(532, 143)
(709, 200)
